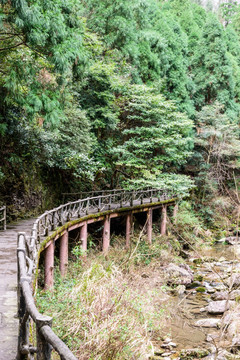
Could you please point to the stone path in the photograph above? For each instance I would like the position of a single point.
(8, 288)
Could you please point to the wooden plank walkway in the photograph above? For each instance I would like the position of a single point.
(8, 288)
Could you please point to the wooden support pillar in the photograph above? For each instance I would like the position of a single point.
(175, 211)
(49, 266)
(63, 254)
(149, 226)
(164, 220)
(83, 238)
(128, 230)
(106, 235)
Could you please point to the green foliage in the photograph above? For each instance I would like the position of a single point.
(39, 45)
(85, 90)
(228, 9)
(155, 137)
(212, 68)
(218, 143)
(52, 29)
(189, 226)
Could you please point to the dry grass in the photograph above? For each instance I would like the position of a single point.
(109, 311)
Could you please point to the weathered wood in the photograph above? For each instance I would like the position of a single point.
(83, 237)
(49, 266)
(54, 220)
(63, 254)
(164, 221)
(175, 211)
(128, 230)
(106, 235)
(43, 346)
(149, 226)
(3, 220)
(56, 343)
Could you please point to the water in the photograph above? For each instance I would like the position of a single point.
(186, 310)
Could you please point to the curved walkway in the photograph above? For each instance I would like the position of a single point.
(8, 288)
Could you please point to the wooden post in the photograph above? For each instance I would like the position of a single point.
(164, 220)
(63, 254)
(106, 235)
(49, 266)
(149, 226)
(43, 347)
(83, 238)
(5, 218)
(128, 230)
(175, 211)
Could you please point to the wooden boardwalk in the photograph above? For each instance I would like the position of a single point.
(8, 289)
(40, 235)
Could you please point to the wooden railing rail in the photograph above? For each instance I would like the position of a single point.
(45, 337)
(3, 218)
(28, 248)
(70, 196)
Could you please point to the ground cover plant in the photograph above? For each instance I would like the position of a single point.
(112, 308)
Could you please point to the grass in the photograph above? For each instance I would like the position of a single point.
(110, 309)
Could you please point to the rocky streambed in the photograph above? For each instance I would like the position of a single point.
(206, 307)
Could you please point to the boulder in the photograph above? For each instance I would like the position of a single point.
(212, 337)
(231, 240)
(218, 307)
(208, 323)
(234, 281)
(180, 290)
(179, 274)
(220, 295)
(231, 321)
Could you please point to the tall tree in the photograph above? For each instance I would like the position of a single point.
(211, 68)
(155, 138)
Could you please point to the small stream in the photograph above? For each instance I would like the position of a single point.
(213, 268)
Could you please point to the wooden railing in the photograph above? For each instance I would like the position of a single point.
(28, 248)
(3, 218)
(71, 196)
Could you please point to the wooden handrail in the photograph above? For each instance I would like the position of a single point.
(28, 248)
(3, 220)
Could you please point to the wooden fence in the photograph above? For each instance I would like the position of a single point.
(28, 248)
(3, 218)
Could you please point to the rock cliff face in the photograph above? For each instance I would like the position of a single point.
(213, 4)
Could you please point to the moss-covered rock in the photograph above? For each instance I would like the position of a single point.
(196, 353)
(201, 289)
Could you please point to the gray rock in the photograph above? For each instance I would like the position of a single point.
(220, 295)
(234, 281)
(211, 291)
(212, 337)
(208, 323)
(166, 339)
(217, 307)
(234, 328)
(221, 288)
(180, 290)
(232, 240)
(166, 354)
(235, 294)
(179, 274)
(225, 295)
